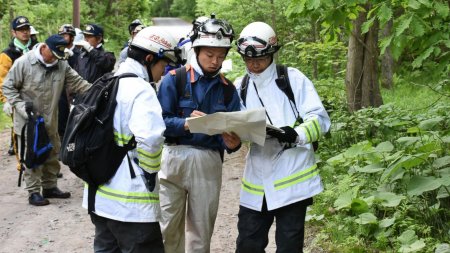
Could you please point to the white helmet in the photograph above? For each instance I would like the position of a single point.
(159, 42)
(257, 39)
(33, 31)
(213, 33)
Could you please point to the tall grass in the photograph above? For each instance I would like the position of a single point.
(415, 97)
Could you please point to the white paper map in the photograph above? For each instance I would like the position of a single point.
(249, 125)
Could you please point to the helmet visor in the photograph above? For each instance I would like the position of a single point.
(213, 26)
(254, 47)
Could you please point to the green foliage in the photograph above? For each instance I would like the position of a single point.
(388, 185)
(183, 8)
(5, 121)
(329, 58)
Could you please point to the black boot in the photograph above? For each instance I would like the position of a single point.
(55, 193)
(36, 199)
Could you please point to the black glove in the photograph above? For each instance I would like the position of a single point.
(289, 135)
(150, 180)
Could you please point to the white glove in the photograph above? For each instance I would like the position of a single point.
(67, 53)
(84, 44)
(21, 112)
(7, 109)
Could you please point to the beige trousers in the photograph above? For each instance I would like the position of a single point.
(45, 175)
(190, 182)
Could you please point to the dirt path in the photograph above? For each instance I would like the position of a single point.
(64, 226)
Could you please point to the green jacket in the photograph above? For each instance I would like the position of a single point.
(30, 81)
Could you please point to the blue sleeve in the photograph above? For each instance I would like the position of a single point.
(168, 98)
(235, 103)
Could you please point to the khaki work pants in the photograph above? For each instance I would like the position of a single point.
(45, 175)
(190, 182)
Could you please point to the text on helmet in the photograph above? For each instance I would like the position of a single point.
(160, 40)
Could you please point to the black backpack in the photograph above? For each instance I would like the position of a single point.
(284, 85)
(88, 146)
(36, 150)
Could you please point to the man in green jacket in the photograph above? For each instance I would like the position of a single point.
(39, 77)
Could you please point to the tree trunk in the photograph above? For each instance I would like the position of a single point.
(273, 18)
(109, 7)
(314, 40)
(387, 61)
(361, 79)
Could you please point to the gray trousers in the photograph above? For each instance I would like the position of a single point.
(113, 236)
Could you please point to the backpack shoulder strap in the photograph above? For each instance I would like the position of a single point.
(180, 80)
(228, 90)
(123, 75)
(244, 86)
(283, 82)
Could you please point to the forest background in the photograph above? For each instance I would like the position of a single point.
(382, 69)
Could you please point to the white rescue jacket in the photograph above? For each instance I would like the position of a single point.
(138, 113)
(283, 176)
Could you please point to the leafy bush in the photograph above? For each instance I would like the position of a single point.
(389, 186)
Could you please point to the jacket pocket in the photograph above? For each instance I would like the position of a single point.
(186, 107)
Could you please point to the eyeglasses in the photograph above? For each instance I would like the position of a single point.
(23, 29)
(256, 60)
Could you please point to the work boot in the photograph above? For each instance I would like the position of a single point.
(11, 150)
(55, 193)
(36, 199)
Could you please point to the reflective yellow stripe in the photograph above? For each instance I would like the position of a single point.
(308, 134)
(312, 129)
(150, 161)
(152, 168)
(296, 178)
(121, 139)
(127, 197)
(252, 188)
(145, 154)
(317, 128)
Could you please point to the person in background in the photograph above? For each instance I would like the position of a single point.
(93, 61)
(123, 54)
(131, 28)
(185, 44)
(67, 31)
(281, 177)
(191, 167)
(33, 34)
(20, 44)
(127, 209)
(39, 77)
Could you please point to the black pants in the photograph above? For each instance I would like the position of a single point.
(254, 226)
(113, 236)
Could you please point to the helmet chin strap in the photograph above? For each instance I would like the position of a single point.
(148, 66)
(209, 74)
